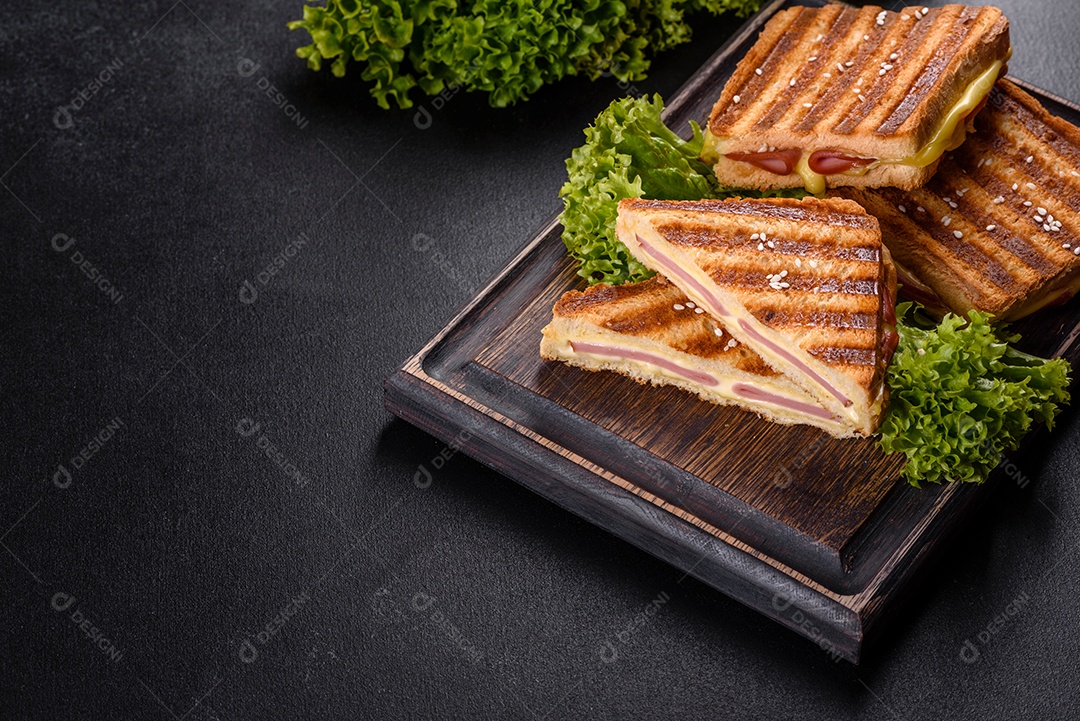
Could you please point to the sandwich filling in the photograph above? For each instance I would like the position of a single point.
(815, 166)
(741, 390)
(713, 304)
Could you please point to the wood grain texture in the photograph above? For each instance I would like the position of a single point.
(818, 534)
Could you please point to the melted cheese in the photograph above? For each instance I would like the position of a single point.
(724, 388)
(949, 135)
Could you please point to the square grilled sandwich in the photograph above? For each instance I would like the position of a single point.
(997, 229)
(842, 96)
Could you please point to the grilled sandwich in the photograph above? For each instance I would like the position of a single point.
(806, 284)
(997, 229)
(651, 332)
(843, 96)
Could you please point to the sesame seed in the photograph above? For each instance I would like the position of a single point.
(798, 262)
(981, 163)
(1075, 173)
(813, 263)
(690, 304)
(921, 209)
(918, 15)
(770, 244)
(999, 199)
(769, 276)
(952, 204)
(926, 11)
(1050, 217)
(1015, 186)
(849, 63)
(828, 75)
(1027, 203)
(807, 105)
(901, 208)
(904, 16)
(754, 236)
(1029, 158)
(1041, 211)
(867, 37)
(785, 285)
(894, 56)
(718, 332)
(1030, 185)
(921, 351)
(1038, 219)
(1046, 227)
(812, 58)
(945, 220)
(757, 71)
(861, 98)
(991, 227)
(958, 234)
(736, 98)
(840, 67)
(1065, 245)
(699, 311)
(880, 72)
(1076, 250)
(761, 246)
(792, 83)
(947, 200)
(819, 37)
(960, 193)
(763, 237)
(679, 306)
(783, 274)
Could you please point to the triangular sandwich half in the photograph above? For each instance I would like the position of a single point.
(806, 284)
(651, 332)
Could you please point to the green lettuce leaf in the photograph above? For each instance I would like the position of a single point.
(630, 153)
(961, 396)
(508, 49)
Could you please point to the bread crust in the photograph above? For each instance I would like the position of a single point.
(866, 82)
(1011, 195)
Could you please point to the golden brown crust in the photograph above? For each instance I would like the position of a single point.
(867, 82)
(1007, 253)
(827, 302)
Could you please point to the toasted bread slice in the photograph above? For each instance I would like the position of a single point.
(854, 97)
(998, 228)
(651, 332)
(805, 284)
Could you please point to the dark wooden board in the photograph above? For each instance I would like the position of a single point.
(817, 533)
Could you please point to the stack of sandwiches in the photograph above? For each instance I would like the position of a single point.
(786, 307)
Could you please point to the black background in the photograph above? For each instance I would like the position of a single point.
(181, 539)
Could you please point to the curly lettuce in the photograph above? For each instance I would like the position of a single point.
(630, 153)
(508, 49)
(961, 396)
